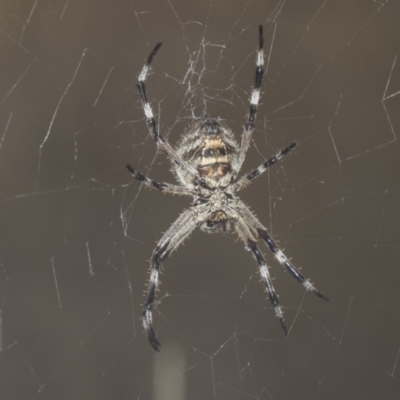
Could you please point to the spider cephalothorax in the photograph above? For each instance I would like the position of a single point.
(206, 164)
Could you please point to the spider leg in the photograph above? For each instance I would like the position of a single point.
(151, 121)
(171, 239)
(245, 179)
(245, 234)
(257, 227)
(255, 97)
(283, 260)
(162, 187)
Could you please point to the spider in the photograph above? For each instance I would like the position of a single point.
(206, 164)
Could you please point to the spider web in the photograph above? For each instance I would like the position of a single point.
(77, 232)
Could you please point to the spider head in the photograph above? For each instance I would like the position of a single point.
(211, 126)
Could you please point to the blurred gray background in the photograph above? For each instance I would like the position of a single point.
(77, 232)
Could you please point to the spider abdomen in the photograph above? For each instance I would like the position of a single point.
(216, 170)
(210, 147)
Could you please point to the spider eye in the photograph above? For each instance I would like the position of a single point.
(211, 127)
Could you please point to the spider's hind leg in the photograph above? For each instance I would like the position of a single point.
(254, 100)
(151, 120)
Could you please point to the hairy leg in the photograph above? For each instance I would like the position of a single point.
(245, 234)
(171, 239)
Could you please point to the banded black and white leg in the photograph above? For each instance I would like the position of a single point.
(254, 99)
(261, 231)
(171, 239)
(162, 187)
(245, 180)
(245, 234)
(151, 121)
(283, 260)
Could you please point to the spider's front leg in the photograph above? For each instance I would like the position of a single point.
(262, 232)
(174, 236)
(245, 234)
(283, 260)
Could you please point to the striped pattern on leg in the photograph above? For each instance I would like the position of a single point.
(268, 283)
(171, 239)
(254, 100)
(245, 180)
(283, 260)
(162, 187)
(151, 121)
